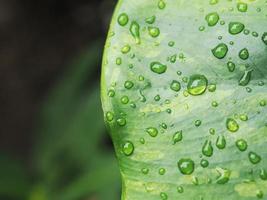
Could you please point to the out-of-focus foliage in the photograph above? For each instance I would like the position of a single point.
(72, 160)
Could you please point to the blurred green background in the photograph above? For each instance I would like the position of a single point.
(53, 142)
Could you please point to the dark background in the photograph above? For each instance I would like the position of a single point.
(50, 61)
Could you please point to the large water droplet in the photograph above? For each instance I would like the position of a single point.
(135, 31)
(197, 84)
(153, 132)
(186, 166)
(158, 67)
(236, 27)
(123, 19)
(245, 79)
(244, 54)
(220, 51)
(207, 148)
(212, 18)
(224, 175)
(128, 148)
(254, 158)
(232, 125)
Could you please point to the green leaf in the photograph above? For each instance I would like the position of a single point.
(192, 124)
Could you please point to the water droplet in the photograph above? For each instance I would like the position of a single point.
(197, 84)
(171, 43)
(126, 49)
(214, 103)
(123, 19)
(213, 2)
(111, 93)
(163, 196)
(175, 86)
(212, 18)
(173, 58)
(264, 38)
(118, 61)
(161, 4)
(195, 180)
(232, 125)
(204, 163)
(254, 158)
(121, 121)
(186, 166)
(220, 142)
(142, 140)
(255, 34)
(220, 51)
(153, 132)
(244, 54)
(128, 148)
(180, 189)
(128, 84)
(224, 175)
(158, 67)
(263, 174)
(231, 66)
(157, 97)
(236, 28)
(212, 131)
(198, 123)
(201, 28)
(162, 171)
(135, 31)
(124, 100)
(245, 79)
(145, 170)
(177, 137)
(212, 88)
(151, 20)
(262, 103)
(207, 148)
(246, 31)
(109, 116)
(260, 194)
(242, 7)
(243, 117)
(153, 31)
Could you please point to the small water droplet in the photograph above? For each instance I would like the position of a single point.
(243, 117)
(142, 140)
(135, 31)
(111, 93)
(158, 67)
(153, 31)
(162, 171)
(201, 28)
(263, 174)
(195, 180)
(264, 38)
(212, 88)
(212, 131)
(126, 49)
(232, 125)
(124, 100)
(213, 2)
(128, 84)
(171, 43)
(220, 142)
(157, 97)
(198, 123)
(260, 194)
(231, 66)
(153, 132)
(163, 196)
(128, 148)
(145, 170)
(180, 189)
(262, 103)
(242, 7)
(109, 116)
(245, 79)
(175, 86)
(220, 51)
(161, 4)
(118, 61)
(123, 19)
(121, 121)
(212, 18)
(204, 163)
(207, 148)
(177, 137)
(224, 175)
(244, 54)
(236, 28)
(254, 158)
(151, 20)
(214, 104)
(255, 34)
(186, 166)
(197, 84)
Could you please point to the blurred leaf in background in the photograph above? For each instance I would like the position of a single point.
(73, 155)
